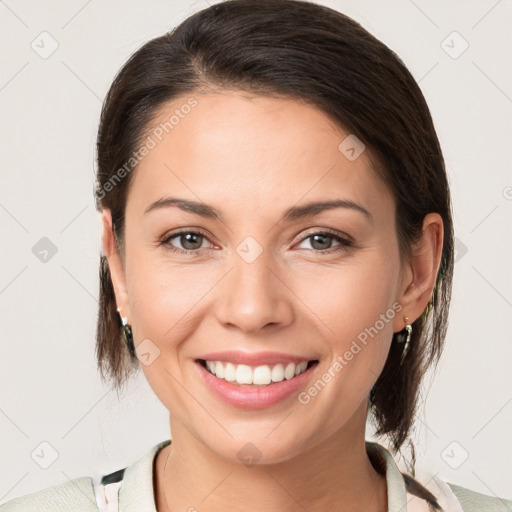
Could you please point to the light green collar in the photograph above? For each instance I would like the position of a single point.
(137, 494)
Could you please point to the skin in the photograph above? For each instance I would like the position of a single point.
(253, 157)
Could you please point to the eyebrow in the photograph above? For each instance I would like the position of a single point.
(293, 213)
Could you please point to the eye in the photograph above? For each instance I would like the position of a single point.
(322, 240)
(191, 241)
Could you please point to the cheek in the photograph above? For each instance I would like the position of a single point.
(163, 300)
(353, 308)
(165, 304)
(169, 302)
(351, 297)
(354, 317)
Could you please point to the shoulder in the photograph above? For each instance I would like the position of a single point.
(472, 501)
(450, 497)
(132, 484)
(75, 495)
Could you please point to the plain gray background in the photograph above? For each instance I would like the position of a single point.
(50, 104)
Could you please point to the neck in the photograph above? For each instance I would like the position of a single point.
(335, 474)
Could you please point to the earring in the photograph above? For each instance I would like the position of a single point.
(127, 333)
(404, 335)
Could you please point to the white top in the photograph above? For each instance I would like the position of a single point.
(131, 490)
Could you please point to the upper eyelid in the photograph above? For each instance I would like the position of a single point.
(326, 231)
(310, 232)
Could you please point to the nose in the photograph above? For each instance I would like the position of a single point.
(254, 296)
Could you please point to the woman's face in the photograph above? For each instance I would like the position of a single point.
(256, 280)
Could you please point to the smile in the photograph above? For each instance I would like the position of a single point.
(246, 394)
(263, 375)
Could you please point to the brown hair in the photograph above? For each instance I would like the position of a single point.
(310, 53)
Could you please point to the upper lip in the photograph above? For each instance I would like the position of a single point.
(255, 358)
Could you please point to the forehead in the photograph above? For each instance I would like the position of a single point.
(254, 152)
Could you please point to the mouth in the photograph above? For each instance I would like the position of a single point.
(232, 375)
(248, 395)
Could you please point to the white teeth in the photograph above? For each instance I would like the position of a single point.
(230, 372)
(260, 375)
(219, 369)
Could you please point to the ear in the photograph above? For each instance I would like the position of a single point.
(420, 276)
(115, 264)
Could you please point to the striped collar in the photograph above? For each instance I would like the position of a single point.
(136, 491)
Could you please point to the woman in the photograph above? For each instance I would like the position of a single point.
(278, 260)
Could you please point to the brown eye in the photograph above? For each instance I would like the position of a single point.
(322, 242)
(190, 241)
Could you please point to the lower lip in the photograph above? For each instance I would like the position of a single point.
(254, 397)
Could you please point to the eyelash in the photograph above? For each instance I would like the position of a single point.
(344, 243)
